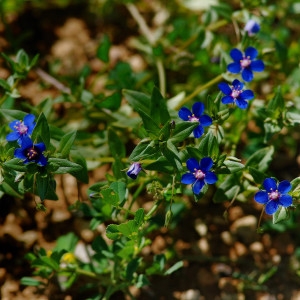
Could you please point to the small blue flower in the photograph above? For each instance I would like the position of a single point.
(199, 174)
(252, 27)
(196, 116)
(21, 129)
(235, 94)
(245, 63)
(134, 170)
(274, 195)
(30, 152)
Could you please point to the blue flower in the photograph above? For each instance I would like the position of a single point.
(134, 170)
(235, 94)
(196, 116)
(30, 152)
(21, 129)
(252, 27)
(199, 174)
(274, 195)
(245, 63)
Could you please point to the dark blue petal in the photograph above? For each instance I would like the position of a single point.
(205, 164)
(42, 160)
(40, 147)
(225, 88)
(285, 200)
(251, 52)
(284, 187)
(241, 103)
(192, 164)
(26, 143)
(29, 119)
(227, 100)
(13, 124)
(210, 177)
(247, 95)
(234, 68)
(236, 55)
(188, 178)
(247, 74)
(237, 85)
(184, 113)
(13, 136)
(270, 184)
(19, 153)
(197, 187)
(271, 207)
(198, 131)
(205, 120)
(198, 109)
(261, 197)
(257, 65)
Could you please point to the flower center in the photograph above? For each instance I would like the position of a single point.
(235, 93)
(21, 128)
(245, 62)
(274, 195)
(199, 174)
(193, 118)
(31, 153)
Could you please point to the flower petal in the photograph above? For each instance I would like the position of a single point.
(237, 85)
(13, 124)
(29, 119)
(284, 187)
(197, 186)
(286, 200)
(257, 65)
(247, 74)
(26, 143)
(40, 146)
(198, 131)
(19, 153)
(13, 136)
(184, 113)
(210, 177)
(247, 95)
(261, 197)
(234, 68)
(205, 120)
(198, 109)
(270, 184)
(241, 103)
(205, 164)
(42, 160)
(188, 178)
(225, 88)
(271, 207)
(192, 164)
(251, 52)
(227, 100)
(236, 55)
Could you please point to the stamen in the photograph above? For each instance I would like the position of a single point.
(31, 153)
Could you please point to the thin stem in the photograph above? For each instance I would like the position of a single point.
(199, 90)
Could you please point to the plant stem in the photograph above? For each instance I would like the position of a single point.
(199, 90)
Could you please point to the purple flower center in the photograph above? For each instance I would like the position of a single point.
(245, 62)
(199, 174)
(21, 127)
(274, 195)
(193, 118)
(31, 153)
(235, 93)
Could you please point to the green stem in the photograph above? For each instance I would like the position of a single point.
(199, 90)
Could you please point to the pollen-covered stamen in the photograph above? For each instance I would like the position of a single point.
(31, 153)
(193, 118)
(199, 174)
(274, 195)
(245, 62)
(235, 93)
(21, 127)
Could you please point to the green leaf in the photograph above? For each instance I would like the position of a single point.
(103, 49)
(15, 164)
(276, 105)
(4, 84)
(142, 281)
(158, 108)
(233, 166)
(64, 166)
(112, 102)
(257, 175)
(112, 232)
(41, 132)
(82, 174)
(139, 101)
(171, 153)
(149, 124)
(261, 159)
(11, 114)
(66, 143)
(67, 242)
(99, 244)
(280, 215)
(120, 188)
(31, 281)
(139, 216)
(182, 131)
(209, 146)
(42, 185)
(160, 165)
(116, 145)
(110, 197)
(132, 267)
(228, 189)
(46, 261)
(174, 268)
(143, 150)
